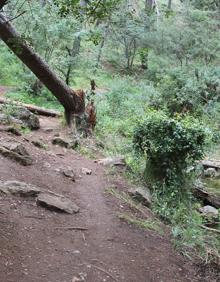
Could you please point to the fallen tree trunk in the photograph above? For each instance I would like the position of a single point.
(206, 197)
(32, 108)
(211, 164)
(65, 95)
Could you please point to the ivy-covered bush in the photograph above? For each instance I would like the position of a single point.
(170, 145)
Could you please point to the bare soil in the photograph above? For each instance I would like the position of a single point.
(35, 245)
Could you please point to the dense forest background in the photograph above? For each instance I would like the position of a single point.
(157, 69)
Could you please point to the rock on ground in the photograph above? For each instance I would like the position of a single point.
(21, 116)
(86, 171)
(57, 203)
(209, 211)
(28, 118)
(19, 188)
(112, 161)
(70, 174)
(210, 172)
(39, 144)
(16, 151)
(66, 143)
(142, 194)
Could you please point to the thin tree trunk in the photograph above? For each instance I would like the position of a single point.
(65, 95)
(169, 6)
(73, 52)
(3, 3)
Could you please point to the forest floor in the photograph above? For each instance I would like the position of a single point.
(35, 245)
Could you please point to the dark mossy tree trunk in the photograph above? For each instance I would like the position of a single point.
(169, 5)
(64, 94)
(73, 53)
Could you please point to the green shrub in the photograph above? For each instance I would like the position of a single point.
(170, 145)
(184, 91)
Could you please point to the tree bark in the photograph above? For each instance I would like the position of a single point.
(169, 6)
(3, 3)
(64, 94)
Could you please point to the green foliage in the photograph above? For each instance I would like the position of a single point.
(142, 223)
(46, 100)
(170, 145)
(93, 10)
(206, 4)
(196, 92)
(171, 65)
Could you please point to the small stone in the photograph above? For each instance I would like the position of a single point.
(86, 171)
(48, 129)
(142, 194)
(209, 211)
(66, 143)
(210, 172)
(70, 174)
(57, 203)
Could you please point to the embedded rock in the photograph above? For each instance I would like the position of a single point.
(112, 161)
(86, 171)
(66, 143)
(19, 189)
(27, 117)
(209, 211)
(39, 144)
(16, 151)
(210, 172)
(70, 174)
(141, 194)
(57, 203)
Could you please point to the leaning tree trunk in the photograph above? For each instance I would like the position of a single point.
(64, 94)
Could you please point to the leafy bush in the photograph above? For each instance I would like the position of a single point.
(170, 145)
(182, 91)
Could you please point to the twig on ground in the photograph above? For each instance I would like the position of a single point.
(33, 216)
(210, 229)
(72, 228)
(83, 235)
(100, 269)
(105, 271)
(20, 14)
(53, 193)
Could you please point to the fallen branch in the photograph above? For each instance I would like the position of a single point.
(33, 216)
(55, 194)
(16, 16)
(72, 228)
(210, 229)
(100, 269)
(32, 108)
(105, 271)
(205, 196)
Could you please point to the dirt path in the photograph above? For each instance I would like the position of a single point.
(32, 249)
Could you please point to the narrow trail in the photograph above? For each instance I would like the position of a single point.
(32, 249)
